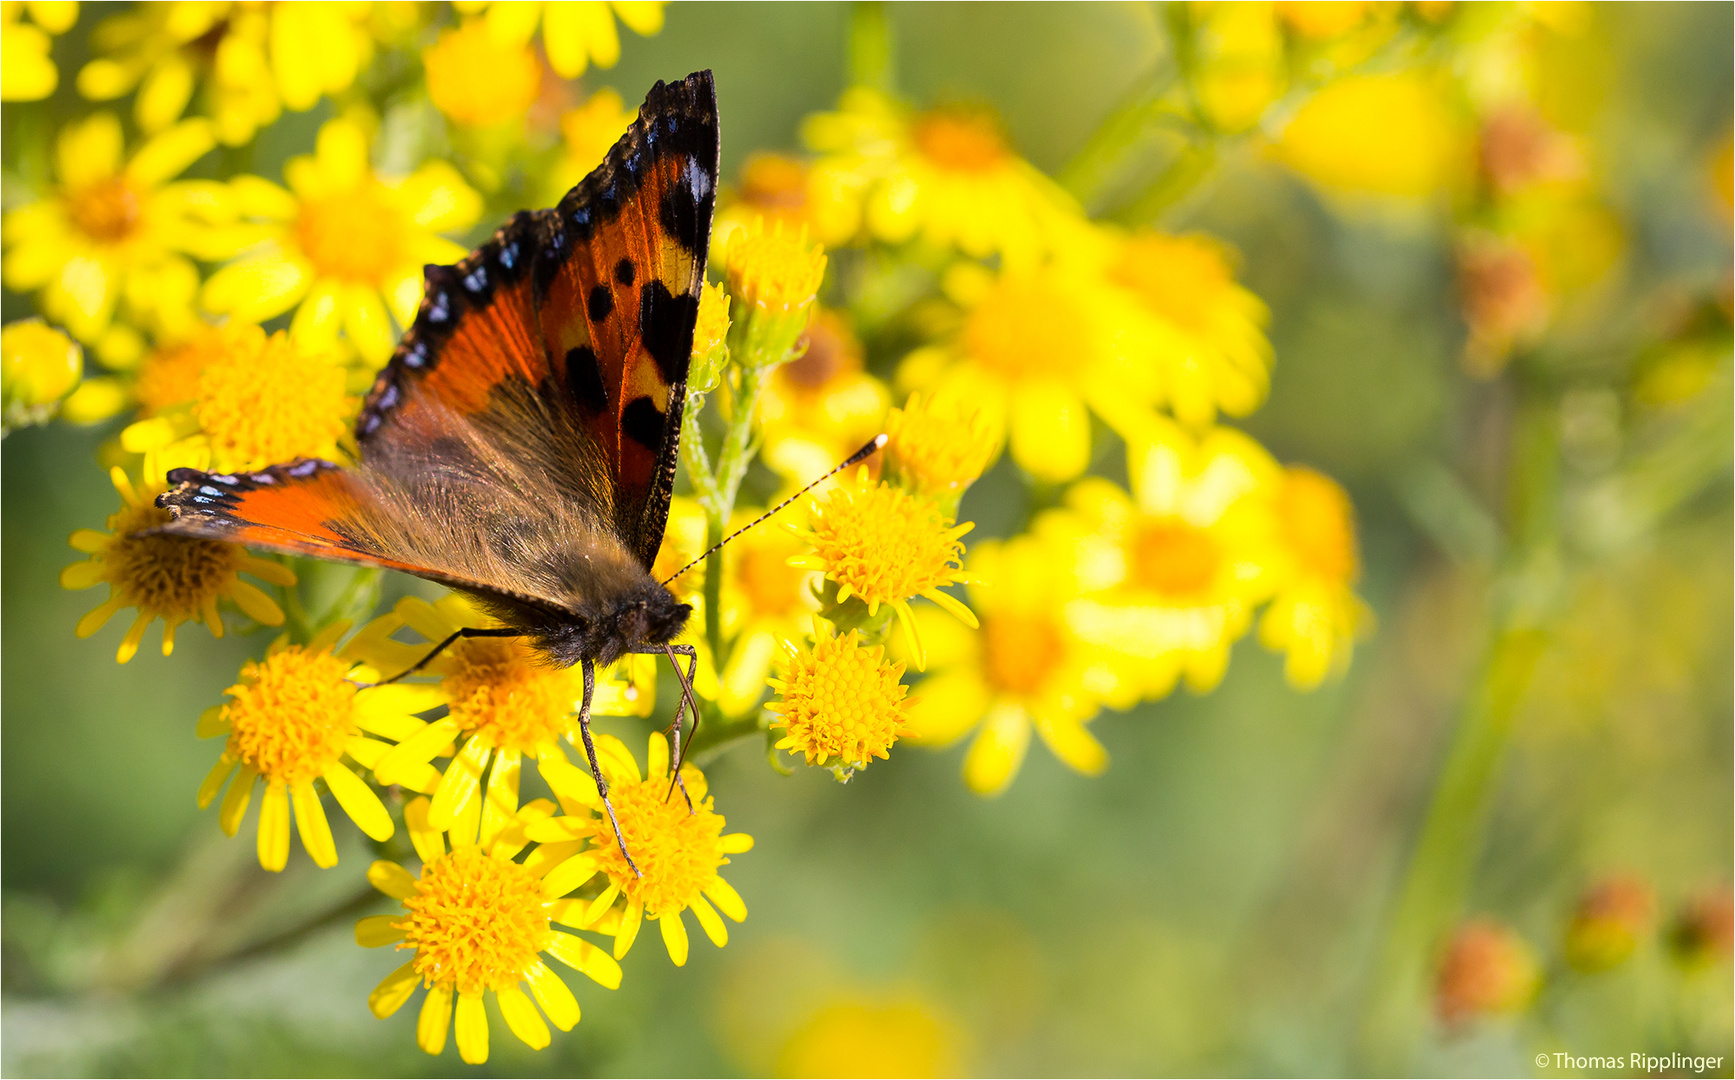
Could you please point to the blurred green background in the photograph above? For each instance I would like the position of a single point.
(1217, 902)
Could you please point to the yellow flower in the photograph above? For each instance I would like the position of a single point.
(947, 177)
(587, 131)
(1240, 69)
(1487, 970)
(899, 1036)
(503, 704)
(710, 340)
(166, 577)
(1316, 616)
(678, 850)
(1185, 318)
(939, 445)
(839, 698)
(39, 366)
(255, 60)
(343, 246)
(478, 922)
(115, 231)
(1028, 669)
(575, 35)
(237, 400)
(1173, 572)
(886, 546)
(475, 78)
(781, 188)
(1391, 134)
(27, 71)
(291, 720)
(1037, 355)
(820, 407)
(773, 278)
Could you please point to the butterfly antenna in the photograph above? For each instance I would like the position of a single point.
(865, 452)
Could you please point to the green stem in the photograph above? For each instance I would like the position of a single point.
(870, 46)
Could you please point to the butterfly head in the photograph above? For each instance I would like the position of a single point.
(603, 633)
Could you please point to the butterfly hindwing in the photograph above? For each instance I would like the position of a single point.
(522, 441)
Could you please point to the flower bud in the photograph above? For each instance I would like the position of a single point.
(1487, 970)
(39, 366)
(1605, 929)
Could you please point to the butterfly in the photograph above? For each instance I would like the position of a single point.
(521, 444)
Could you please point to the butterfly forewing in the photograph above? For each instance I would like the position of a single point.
(522, 441)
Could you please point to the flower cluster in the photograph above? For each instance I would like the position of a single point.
(909, 296)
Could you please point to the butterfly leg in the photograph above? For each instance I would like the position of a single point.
(456, 636)
(595, 770)
(678, 747)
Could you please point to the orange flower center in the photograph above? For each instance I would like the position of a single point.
(291, 715)
(1177, 277)
(1318, 523)
(1022, 330)
(356, 236)
(108, 211)
(498, 689)
(175, 576)
(475, 921)
(1022, 650)
(884, 544)
(1175, 560)
(840, 700)
(961, 139)
(678, 852)
(772, 182)
(262, 400)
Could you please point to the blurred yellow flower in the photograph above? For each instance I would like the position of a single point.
(1240, 68)
(1391, 134)
(479, 922)
(779, 187)
(1173, 572)
(1037, 355)
(503, 705)
(677, 848)
(235, 400)
(255, 60)
(575, 33)
(1188, 320)
(886, 546)
(343, 246)
(1315, 616)
(856, 1037)
(1026, 670)
(938, 445)
(27, 71)
(820, 407)
(172, 578)
(947, 177)
(838, 698)
(478, 79)
(291, 720)
(39, 366)
(116, 230)
(764, 602)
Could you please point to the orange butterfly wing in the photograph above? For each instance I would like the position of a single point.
(530, 418)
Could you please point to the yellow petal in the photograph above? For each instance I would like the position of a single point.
(393, 990)
(629, 928)
(459, 785)
(522, 1017)
(581, 955)
(945, 706)
(728, 901)
(1050, 431)
(273, 843)
(215, 779)
(259, 288)
(1074, 745)
(713, 924)
(167, 155)
(419, 749)
(359, 802)
(472, 1028)
(998, 750)
(89, 152)
(674, 936)
(568, 876)
(434, 1020)
(235, 802)
(367, 324)
(553, 995)
(500, 802)
(390, 878)
(377, 931)
(428, 841)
